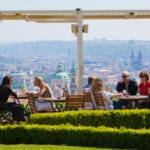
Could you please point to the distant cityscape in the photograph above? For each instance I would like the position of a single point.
(56, 62)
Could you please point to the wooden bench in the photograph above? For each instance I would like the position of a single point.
(75, 102)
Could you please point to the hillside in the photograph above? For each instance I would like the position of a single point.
(116, 48)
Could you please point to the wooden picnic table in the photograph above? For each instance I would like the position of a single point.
(134, 97)
(136, 100)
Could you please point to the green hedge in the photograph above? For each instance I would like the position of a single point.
(135, 119)
(71, 135)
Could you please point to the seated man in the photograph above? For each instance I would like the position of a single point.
(126, 86)
(88, 86)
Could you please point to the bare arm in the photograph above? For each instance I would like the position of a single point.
(12, 93)
(42, 90)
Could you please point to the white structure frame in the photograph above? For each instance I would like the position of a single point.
(74, 16)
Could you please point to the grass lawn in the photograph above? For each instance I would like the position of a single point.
(44, 147)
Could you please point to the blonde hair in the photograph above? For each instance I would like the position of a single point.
(39, 80)
(125, 73)
(97, 85)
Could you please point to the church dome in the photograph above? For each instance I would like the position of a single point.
(61, 75)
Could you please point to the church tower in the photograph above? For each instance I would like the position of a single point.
(136, 62)
(139, 60)
(132, 60)
(73, 79)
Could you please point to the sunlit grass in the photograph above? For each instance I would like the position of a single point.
(45, 147)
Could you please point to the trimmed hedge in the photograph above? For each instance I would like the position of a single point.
(135, 119)
(70, 135)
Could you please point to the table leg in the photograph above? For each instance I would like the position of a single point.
(32, 104)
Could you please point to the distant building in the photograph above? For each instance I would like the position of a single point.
(73, 79)
(136, 63)
(60, 79)
(112, 79)
(64, 80)
(22, 80)
(139, 61)
(132, 61)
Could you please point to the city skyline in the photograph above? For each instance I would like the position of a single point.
(109, 29)
(26, 60)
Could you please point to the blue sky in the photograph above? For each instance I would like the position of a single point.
(117, 29)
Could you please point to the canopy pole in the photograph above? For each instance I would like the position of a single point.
(80, 50)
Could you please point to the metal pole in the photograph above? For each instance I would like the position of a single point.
(80, 51)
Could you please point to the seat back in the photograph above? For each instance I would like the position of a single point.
(87, 97)
(88, 105)
(75, 101)
(100, 100)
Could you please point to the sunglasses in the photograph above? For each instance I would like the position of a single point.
(124, 76)
(142, 76)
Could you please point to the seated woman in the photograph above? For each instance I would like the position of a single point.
(44, 93)
(6, 91)
(144, 88)
(144, 85)
(101, 98)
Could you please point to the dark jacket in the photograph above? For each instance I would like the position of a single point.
(5, 92)
(132, 87)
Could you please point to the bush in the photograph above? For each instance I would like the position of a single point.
(135, 119)
(71, 135)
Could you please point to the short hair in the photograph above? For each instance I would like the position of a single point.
(144, 74)
(90, 80)
(125, 73)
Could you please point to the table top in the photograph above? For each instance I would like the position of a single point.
(22, 97)
(63, 99)
(134, 97)
(50, 100)
(27, 96)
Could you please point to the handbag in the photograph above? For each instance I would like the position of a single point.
(43, 105)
